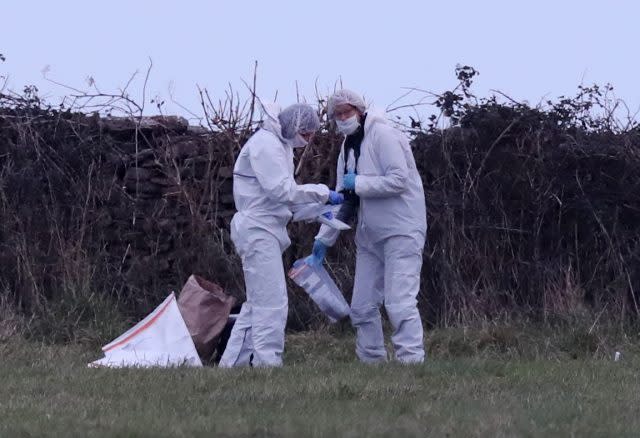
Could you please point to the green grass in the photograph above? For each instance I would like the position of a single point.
(47, 390)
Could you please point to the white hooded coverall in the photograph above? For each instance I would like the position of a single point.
(390, 238)
(264, 189)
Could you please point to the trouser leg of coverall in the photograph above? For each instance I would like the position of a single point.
(402, 265)
(239, 346)
(259, 328)
(365, 306)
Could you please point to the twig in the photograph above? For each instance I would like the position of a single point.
(506, 97)
(598, 317)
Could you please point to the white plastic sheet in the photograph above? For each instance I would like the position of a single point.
(314, 212)
(159, 340)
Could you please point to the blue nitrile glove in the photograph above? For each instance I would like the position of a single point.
(328, 215)
(335, 198)
(317, 255)
(349, 181)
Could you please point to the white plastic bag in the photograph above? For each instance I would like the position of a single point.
(317, 282)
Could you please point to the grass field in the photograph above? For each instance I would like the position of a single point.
(322, 391)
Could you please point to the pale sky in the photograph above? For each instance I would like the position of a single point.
(530, 50)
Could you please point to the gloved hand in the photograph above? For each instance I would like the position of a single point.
(335, 198)
(317, 255)
(349, 181)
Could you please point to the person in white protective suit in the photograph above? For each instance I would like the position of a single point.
(264, 191)
(377, 173)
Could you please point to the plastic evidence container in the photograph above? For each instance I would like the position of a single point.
(317, 282)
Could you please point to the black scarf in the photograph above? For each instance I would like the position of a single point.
(354, 141)
(349, 209)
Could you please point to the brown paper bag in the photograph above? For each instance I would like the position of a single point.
(205, 309)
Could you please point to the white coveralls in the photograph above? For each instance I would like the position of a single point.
(263, 190)
(390, 238)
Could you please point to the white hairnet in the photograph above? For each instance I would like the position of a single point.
(298, 118)
(343, 96)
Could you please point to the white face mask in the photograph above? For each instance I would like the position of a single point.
(349, 126)
(297, 142)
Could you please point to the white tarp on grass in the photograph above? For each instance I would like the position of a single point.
(159, 340)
